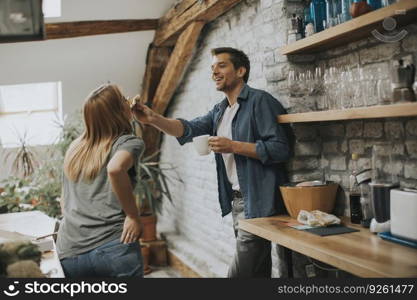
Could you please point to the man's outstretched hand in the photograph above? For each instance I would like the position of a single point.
(142, 113)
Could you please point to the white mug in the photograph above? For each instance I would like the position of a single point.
(201, 144)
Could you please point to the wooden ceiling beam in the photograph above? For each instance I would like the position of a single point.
(86, 28)
(180, 16)
(178, 61)
(156, 61)
(172, 76)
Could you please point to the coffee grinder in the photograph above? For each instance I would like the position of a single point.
(383, 180)
(402, 79)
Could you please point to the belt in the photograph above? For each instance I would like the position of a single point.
(237, 194)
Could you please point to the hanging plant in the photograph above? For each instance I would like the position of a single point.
(24, 160)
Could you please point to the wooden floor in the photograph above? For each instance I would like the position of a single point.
(163, 272)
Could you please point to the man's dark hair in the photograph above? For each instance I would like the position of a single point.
(237, 57)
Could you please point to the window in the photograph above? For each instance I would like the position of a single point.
(31, 112)
(51, 8)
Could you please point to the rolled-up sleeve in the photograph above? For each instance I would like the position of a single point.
(273, 145)
(196, 127)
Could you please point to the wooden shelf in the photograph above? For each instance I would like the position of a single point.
(354, 29)
(380, 111)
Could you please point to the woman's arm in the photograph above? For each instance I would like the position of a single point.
(117, 169)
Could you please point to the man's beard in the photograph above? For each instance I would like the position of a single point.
(227, 87)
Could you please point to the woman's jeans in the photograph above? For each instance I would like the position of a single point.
(112, 259)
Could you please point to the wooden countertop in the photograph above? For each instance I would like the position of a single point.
(361, 253)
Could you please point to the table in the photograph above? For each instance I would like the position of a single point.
(361, 253)
(36, 224)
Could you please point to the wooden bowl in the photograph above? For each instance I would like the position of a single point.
(309, 198)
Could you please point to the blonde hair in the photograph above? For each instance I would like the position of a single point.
(106, 117)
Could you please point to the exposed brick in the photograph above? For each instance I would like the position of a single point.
(357, 146)
(398, 149)
(354, 129)
(301, 104)
(409, 43)
(344, 147)
(410, 170)
(378, 53)
(335, 178)
(304, 164)
(351, 59)
(412, 127)
(266, 3)
(373, 129)
(304, 132)
(330, 147)
(276, 73)
(307, 148)
(268, 58)
(364, 163)
(394, 168)
(394, 129)
(302, 58)
(335, 130)
(411, 148)
(338, 164)
(280, 58)
(312, 175)
(324, 163)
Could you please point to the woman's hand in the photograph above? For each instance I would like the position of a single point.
(132, 230)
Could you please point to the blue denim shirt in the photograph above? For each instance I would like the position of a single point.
(259, 179)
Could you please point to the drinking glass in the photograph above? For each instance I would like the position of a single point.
(384, 91)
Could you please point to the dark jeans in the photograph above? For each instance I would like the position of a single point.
(112, 259)
(253, 253)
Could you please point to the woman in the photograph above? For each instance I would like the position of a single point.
(100, 229)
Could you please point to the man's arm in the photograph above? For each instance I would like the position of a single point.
(273, 145)
(145, 115)
(182, 129)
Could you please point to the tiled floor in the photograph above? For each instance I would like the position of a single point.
(163, 272)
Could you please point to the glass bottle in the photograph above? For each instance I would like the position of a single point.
(355, 193)
(307, 14)
(318, 14)
(329, 13)
(337, 10)
(387, 2)
(375, 4)
(345, 10)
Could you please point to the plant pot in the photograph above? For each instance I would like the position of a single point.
(148, 228)
(145, 250)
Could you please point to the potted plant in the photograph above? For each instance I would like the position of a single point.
(152, 185)
(39, 183)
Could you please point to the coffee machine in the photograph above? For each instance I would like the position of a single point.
(402, 79)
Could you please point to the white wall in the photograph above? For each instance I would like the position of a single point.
(84, 63)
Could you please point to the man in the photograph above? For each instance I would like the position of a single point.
(249, 147)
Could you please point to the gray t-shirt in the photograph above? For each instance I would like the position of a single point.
(92, 213)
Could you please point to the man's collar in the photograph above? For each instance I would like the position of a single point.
(244, 93)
